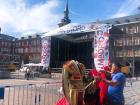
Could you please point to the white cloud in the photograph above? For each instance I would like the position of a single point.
(127, 8)
(16, 17)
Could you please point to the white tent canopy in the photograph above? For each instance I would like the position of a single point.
(33, 64)
(73, 32)
(72, 28)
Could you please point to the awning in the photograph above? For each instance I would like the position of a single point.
(72, 28)
(74, 31)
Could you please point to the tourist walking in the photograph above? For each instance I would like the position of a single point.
(28, 72)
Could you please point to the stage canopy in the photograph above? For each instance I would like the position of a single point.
(75, 32)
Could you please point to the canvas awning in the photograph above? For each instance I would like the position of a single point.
(71, 28)
(73, 32)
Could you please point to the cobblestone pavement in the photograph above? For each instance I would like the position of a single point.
(132, 93)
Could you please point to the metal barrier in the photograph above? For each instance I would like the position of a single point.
(31, 94)
(19, 95)
(49, 94)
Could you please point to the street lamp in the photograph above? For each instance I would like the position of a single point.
(133, 51)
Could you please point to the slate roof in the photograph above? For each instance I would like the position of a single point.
(6, 37)
(122, 20)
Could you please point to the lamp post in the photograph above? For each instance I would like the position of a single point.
(133, 51)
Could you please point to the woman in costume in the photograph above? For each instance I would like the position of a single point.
(103, 86)
(99, 96)
(92, 98)
(75, 83)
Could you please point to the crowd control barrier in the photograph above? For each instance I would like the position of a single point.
(30, 94)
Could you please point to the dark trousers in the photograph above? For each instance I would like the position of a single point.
(92, 99)
(111, 102)
(27, 76)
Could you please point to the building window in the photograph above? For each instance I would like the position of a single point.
(27, 43)
(21, 50)
(128, 53)
(26, 50)
(132, 30)
(115, 43)
(135, 52)
(34, 42)
(19, 44)
(38, 49)
(129, 42)
(10, 44)
(34, 49)
(34, 56)
(22, 43)
(31, 49)
(119, 53)
(139, 53)
(119, 42)
(38, 42)
(126, 29)
(131, 53)
(124, 42)
(5, 43)
(138, 29)
(2, 43)
(136, 41)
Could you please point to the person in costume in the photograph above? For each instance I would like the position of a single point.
(103, 86)
(75, 83)
(92, 98)
(99, 97)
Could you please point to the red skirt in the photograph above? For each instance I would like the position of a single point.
(62, 101)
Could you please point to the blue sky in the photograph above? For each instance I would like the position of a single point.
(24, 17)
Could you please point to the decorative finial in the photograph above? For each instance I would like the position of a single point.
(66, 19)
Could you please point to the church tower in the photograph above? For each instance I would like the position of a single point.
(66, 19)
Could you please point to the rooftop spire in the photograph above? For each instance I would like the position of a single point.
(66, 11)
(66, 19)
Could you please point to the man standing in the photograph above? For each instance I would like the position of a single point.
(116, 86)
(28, 71)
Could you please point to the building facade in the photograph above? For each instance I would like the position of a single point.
(127, 43)
(28, 48)
(6, 52)
(124, 42)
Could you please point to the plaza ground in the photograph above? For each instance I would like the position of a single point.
(132, 93)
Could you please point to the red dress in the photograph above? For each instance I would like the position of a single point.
(62, 101)
(103, 88)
